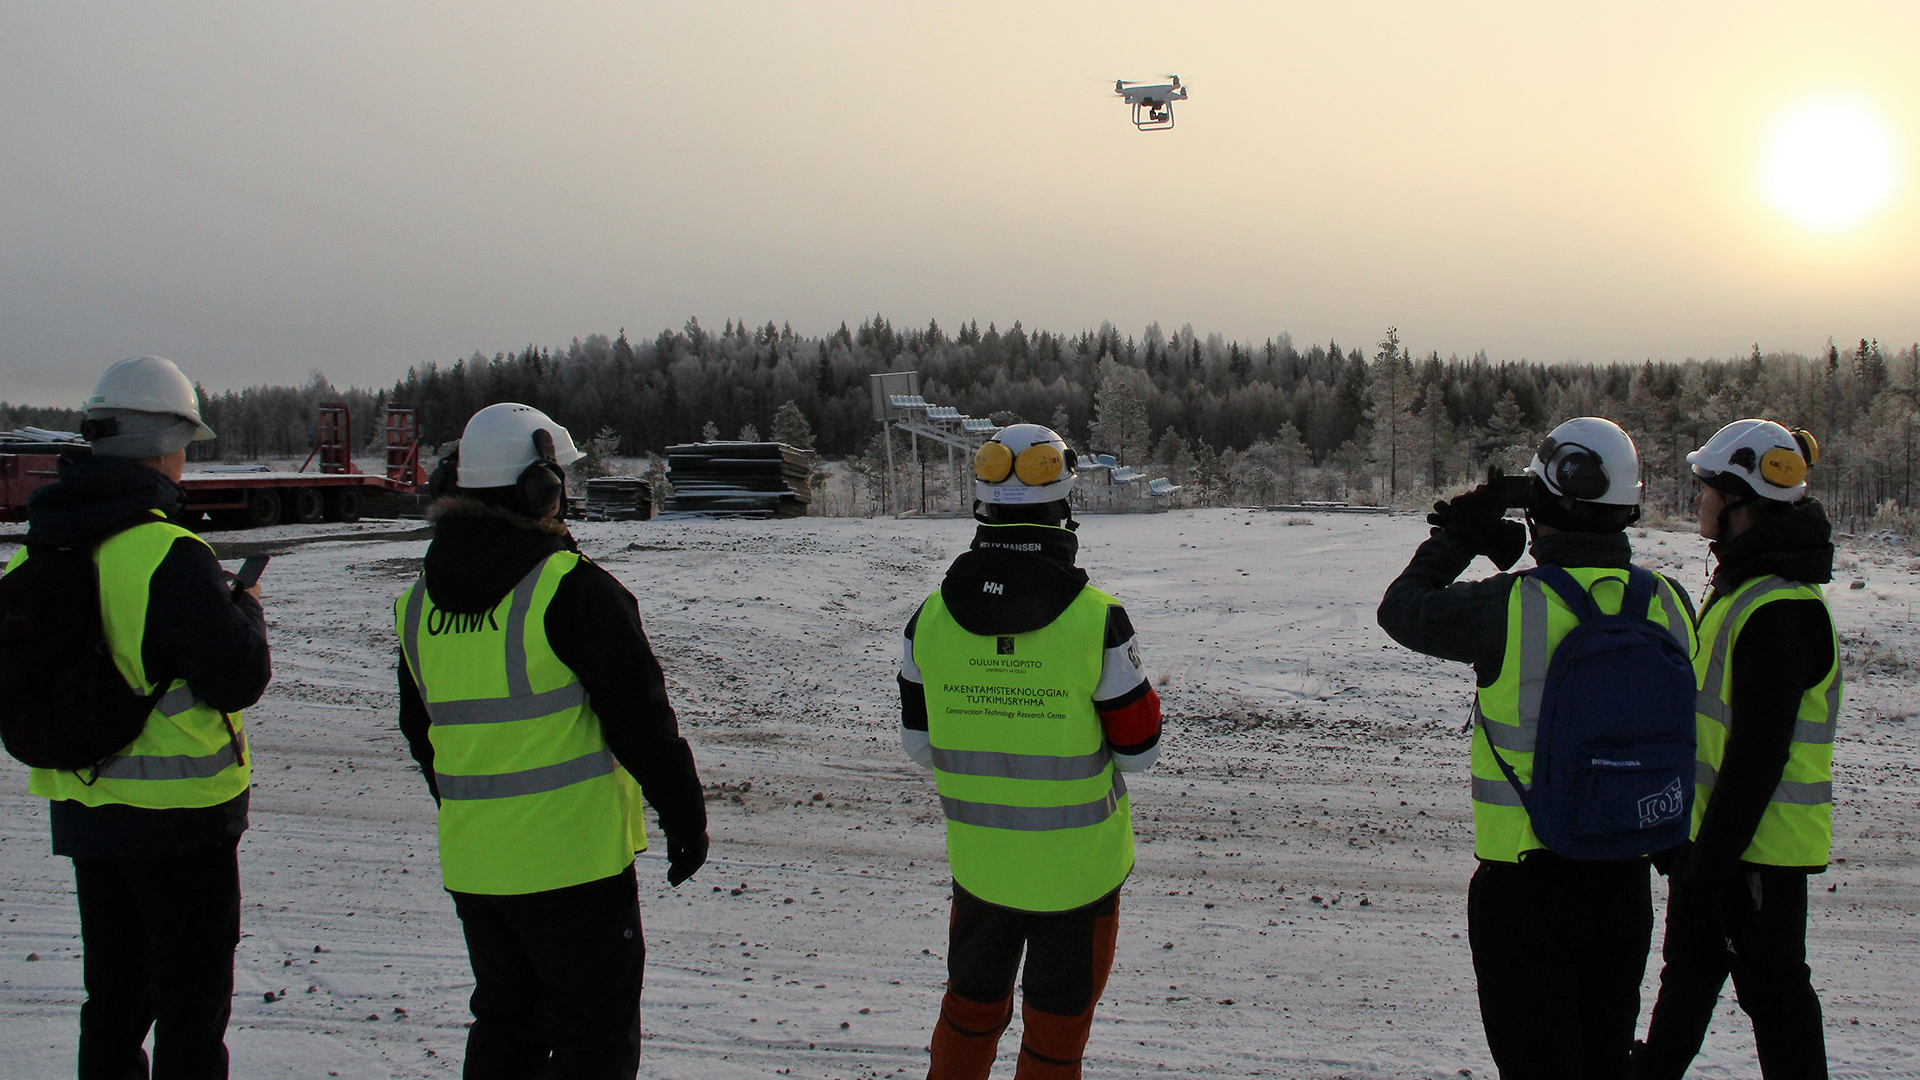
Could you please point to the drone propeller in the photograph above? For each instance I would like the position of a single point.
(1126, 82)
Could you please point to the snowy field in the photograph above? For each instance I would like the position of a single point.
(1299, 907)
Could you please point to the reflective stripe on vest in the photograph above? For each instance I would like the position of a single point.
(1507, 713)
(1038, 817)
(189, 754)
(532, 799)
(1797, 827)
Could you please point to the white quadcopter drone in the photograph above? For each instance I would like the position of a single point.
(1152, 105)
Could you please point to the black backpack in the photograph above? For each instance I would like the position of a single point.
(63, 702)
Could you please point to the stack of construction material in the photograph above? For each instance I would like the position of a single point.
(739, 479)
(618, 498)
(33, 440)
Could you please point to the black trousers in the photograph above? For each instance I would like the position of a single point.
(556, 981)
(1559, 949)
(157, 939)
(1756, 931)
(1069, 953)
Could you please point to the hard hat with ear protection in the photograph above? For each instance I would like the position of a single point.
(1589, 459)
(1764, 456)
(1023, 463)
(511, 445)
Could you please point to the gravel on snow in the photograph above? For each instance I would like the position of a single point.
(1299, 904)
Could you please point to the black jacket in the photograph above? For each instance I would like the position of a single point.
(1784, 649)
(197, 629)
(478, 554)
(1426, 610)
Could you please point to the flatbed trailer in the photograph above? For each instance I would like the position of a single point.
(242, 496)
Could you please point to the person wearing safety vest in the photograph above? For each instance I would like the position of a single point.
(1769, 675)
(1559, 945)
(539, 717)
(154, 830)
(1021, 688)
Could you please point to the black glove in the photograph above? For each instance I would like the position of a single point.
(685, 857)
(1477, 521)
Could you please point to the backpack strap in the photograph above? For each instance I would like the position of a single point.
(1641, 584)
(1637, 603)
(1569, 590)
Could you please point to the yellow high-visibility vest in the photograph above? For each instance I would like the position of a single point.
(1037, 814)
(1797, 828)
(189, 754)
(531, 798)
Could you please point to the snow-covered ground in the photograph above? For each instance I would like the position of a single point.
(1299, 907)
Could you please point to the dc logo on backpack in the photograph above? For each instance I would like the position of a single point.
(1613, 757)
(1668, 803)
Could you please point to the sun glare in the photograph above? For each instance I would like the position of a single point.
(1829, 162)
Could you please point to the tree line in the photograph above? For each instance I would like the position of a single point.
(1231, 421)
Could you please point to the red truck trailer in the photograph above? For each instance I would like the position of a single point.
(244, 496)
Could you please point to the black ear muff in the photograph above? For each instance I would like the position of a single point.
(542, 483)
(540, 487)
(1579, 474)
(446, 475)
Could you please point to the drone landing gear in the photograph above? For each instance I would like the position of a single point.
(1148, 116)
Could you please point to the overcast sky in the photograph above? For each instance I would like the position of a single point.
(261, 190)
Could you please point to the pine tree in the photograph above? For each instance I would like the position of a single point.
(1120, 418)
(790, 426)
(1391, 409)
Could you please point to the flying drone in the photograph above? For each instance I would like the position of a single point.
(1152, 105)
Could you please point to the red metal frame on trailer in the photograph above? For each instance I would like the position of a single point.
(337, 492)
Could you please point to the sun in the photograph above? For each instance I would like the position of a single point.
(1829, 161)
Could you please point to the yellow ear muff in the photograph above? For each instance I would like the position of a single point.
(993, 462)
(1039, 464)
(1809, 446)
(1782, 467)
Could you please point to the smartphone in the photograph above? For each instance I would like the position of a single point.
(1516, 492)
(249, 574)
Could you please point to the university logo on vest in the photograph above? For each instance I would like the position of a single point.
(1005, 645)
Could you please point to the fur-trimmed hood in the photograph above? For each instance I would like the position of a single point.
(480, 551)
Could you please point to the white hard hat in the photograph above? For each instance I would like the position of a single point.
(148, 384)
(498, 445)
(1589, 459)
(1021, 464)
(1770, 459)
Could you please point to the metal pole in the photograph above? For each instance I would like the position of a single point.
(953, 479)
(915, 436)
(887, 486)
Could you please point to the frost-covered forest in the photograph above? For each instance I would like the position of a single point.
(1232, 421)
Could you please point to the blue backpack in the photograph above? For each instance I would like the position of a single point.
(1613, 759)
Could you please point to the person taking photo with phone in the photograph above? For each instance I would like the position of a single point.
(124, 690)
(1585, 649)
